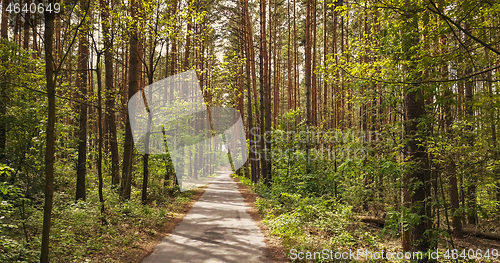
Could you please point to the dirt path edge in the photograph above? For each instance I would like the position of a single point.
(275, 250)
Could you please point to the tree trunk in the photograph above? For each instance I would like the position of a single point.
(26, 31)
(5, 20)
(296, 93)
(100, 132)
(150, 72)
(450, 165)
(187, 51)
(275, 74)
(308, 62)
(325, 51)
(50, 135)
(314, 102)
(265, 96)
(289, 62)
(3, 90)
(174, 46)
(110, 93)
(250, 81)
(469, 114)
(415, 181)
(133, 84)
(81, 83)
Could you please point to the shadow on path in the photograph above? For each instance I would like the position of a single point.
(216, 229)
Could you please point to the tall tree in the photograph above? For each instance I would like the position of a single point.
(110, 91)
(81, 83)
(308, 59)
(265, 97)
(325, 52)
(251, 85)
(416, 179)
(5, 20)
(3, 93)
(314, 94)
(50, 134)
(450, 166)
(289, 61)
(469, 113)
(133, 84)
(26, 31)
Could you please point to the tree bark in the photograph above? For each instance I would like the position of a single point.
(3, 88)
(308, 62)
(81, 83)
(314, 102)
(289, 62)
(26, 31)
(5, 20)
(265, 97)
(110, 92)
(50, 135)
(296, 92)
(450, 165)
(250, 70)
(415, 181)
(469, 113)
(100, 133)
(133, 84)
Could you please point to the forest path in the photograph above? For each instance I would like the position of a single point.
(216, 229)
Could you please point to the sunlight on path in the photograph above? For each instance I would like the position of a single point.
(216, 229)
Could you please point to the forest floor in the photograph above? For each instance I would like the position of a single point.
(218, 228)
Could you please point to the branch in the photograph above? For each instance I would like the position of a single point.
(425, 81)
(484, 44)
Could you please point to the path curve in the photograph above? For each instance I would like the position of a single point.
(216, 229)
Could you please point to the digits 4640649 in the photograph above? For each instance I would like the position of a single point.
(33, 8)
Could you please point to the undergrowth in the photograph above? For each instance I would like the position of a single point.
(80, 233)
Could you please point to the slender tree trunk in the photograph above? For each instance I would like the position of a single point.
(50, 135)
(26, 31)
(250, 81)
(3, 86)
(325, 109)
(187, 51)
(275, 77)
(450, 165)
(296, 94)
(265, 97)
(133, 84)
(100, 132)
(308, 62)
(150, 74)
(16, 30)
(339, 89)
(5, 20)
(81, 83)
(34, 34)
(124, 87)
(469, 113)
(289, 61)
(314, 102)
(110, 93)
(241, 91)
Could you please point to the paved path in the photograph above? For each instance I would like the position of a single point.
(216, 229)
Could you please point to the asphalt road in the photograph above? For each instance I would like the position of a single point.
(216, 229)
